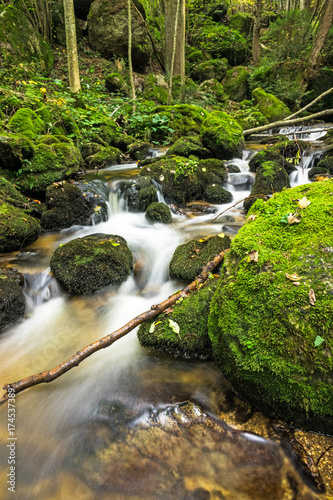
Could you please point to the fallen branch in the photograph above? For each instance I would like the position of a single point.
(310, 104)
(282, 123)
(231, 206)
(75, 360)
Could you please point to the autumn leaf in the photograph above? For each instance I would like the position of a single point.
(251, 217)
(174, 326)
(292, 219)
(312, 297)
(293, 277)
(253, 256)
(303, 203)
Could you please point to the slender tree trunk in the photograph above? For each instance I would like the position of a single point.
(72, 57)
(130, 48)
(173, 53)
(325, 24)
(305, 5)
(174, 30)
(182, 55)
(256, 32)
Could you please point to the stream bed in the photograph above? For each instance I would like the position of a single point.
(117, 427)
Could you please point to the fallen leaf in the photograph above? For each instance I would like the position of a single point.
(297, 283)
(303, 203)
(293, 277)
(221, 235)
(253, 256)
(174, 326)
(312, 297)
(251, 217)
(318, 341)
(292, 219)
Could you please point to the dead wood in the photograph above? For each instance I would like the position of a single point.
(76, 359)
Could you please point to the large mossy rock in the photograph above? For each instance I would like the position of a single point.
(183, 119)
(80, 203)
(184, 179)
(222, 135)
(12, 301)
(104, 157)
(108, 31)
(269, 105)
(159, 212)
(190, 258)
(208, 70)
(271, 178)
(25, 121)
(14, 149)
(271, 319)
(17, 229)
(235, 83)
(182, 332)
(85, 265)
(20, 42)
(187, 146)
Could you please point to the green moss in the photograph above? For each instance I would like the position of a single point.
(215, 193)
(269, 105)
(104, 157)
(235, 83)
(187, 146)
(183, 118)
(158, 212)
(264, 328)
(9, 194)
(211, 69)
(326, 163)
(115, 84)
(222, 135)
(184, 179)
(190, 316)
(25, 121)
(242, 22)
(87, 264)
(263, 156)
(14, 150)
(213, 89)
(156, 89)
(17, 229)
(189, 258)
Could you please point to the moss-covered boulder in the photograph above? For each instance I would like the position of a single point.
(315, 171)
(271, 319)
(222, 135)
(242, 22)
(79, 203)
(9, 194)
(213, 90)
(12, 301)
(326, 163)
(104, 157)
(139, 150)
(115, 84)
(183, 119)
(14, 150)
(265, 155)
(49, 164)
(190, 258)
(25, 121)
(187, 146)
(184, 179)
(108, 31)
(215, 193)
(17, 229)
(158, 212)
(248, 116)
(235, 83)
(208, 70)
(271, 178)
(19, 40)
(155, 89)
(269, 105)
(219, 41)
(87, 264)
(182, 332)
(141, 194)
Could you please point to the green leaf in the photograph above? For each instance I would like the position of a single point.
(174, 326)
(318, 341)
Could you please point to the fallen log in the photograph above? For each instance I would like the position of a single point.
(284, 123)
(75, 360)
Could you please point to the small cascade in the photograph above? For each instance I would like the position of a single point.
(301, 174)
(160, 197)
(117, 197)
(40, 288)
(242, 164)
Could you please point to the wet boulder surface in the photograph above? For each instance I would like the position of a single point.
(180, 451)
(12, 301)
(270, 319)
(85, 265)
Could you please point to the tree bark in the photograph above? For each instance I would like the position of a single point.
(175, 30)
(283, 123)
(75, 360)
(72, 57)
(310, 104)
(305, 5)
(130, 48)
(325, 24)
(173, 54)
(256, 32)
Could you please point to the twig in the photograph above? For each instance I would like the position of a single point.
(240, 201)
(75, 360)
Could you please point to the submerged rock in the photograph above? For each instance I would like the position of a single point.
(12, 301)
(87, 264)
(189, 258)
(180, 452)
(271, 319)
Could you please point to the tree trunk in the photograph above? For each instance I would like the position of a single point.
(130, 48)
(73, 63)
(325, 24)
(305, 4)
(256, 32)
(177, 31)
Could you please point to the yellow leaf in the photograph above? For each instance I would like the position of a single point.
(293, 277)
(292, 219)
(253, 256)
(304, 202)
(221, 235)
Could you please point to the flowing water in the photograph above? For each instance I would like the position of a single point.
(58, 324)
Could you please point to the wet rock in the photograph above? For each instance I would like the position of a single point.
(141, 194)
(12, 301)
(179, 451)
(79, 203)
(158, 212)
(187, 146)
(222, 135)
(214, 193)
(189, 258)
(271, 318)
(87, 264)
(17, 229)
